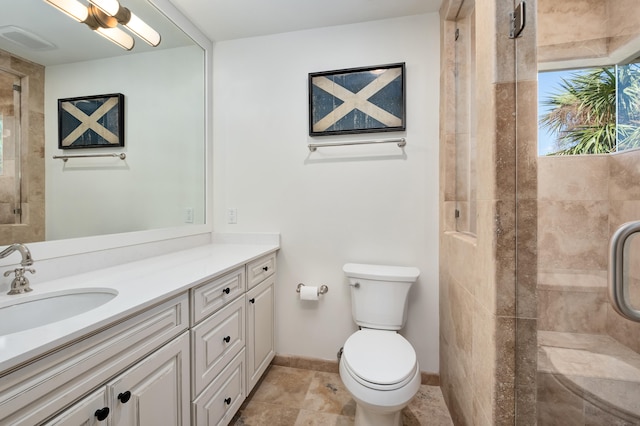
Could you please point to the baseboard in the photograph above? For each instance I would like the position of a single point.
(328, 366)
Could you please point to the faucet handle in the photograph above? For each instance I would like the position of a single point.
(20, 283)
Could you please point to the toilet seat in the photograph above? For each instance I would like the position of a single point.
(379, 359)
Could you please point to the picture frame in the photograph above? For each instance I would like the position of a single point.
(91, 121)
(357, 100)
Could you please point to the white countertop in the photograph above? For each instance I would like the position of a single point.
(139, 285)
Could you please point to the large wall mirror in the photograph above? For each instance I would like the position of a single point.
(160, 189)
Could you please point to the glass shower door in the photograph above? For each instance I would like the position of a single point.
(10, 152)
(588, 355)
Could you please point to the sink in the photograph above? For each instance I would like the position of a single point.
(40, 309)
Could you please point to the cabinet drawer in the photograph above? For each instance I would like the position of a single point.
(260, 269)
(211, 296)
(223, 397)
(215, 342)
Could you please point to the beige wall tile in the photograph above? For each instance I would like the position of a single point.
(573, 177)
(573, 234)
(625, 175)
(572, 311)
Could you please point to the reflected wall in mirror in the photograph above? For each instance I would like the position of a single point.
(160, 184)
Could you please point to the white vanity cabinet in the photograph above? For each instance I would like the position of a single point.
(232, 340)
(191, 359)
(145, 346)
(155, 391)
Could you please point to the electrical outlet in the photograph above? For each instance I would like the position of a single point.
(188, 215)
(232, 216)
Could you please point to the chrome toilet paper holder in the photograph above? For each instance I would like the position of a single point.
(321, 290)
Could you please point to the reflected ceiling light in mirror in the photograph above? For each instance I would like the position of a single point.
(72, 8)
(104, 16)
(125, 17)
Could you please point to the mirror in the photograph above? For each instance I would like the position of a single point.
(161, 184)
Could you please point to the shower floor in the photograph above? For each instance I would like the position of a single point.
(586, 379)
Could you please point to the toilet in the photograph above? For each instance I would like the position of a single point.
(378, 366)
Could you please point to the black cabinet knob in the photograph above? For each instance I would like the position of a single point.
(265, 268)
(227, 339)
(252, 300)
(227, 401)
(102, 414)
(226, 290)
(124, 397)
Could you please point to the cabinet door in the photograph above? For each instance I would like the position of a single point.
(154, 391)
(89, 411)
(260, 330)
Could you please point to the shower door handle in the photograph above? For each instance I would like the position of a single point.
(618, 288)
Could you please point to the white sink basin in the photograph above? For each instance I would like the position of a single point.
(37, 310)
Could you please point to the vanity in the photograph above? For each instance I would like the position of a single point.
(183, 341)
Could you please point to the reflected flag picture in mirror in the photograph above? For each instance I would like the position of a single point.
(91, 121)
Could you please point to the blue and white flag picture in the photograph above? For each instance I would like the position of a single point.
(359, 100)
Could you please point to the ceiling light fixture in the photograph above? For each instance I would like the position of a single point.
(103, 16)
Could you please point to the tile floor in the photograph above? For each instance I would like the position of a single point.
(296, 397)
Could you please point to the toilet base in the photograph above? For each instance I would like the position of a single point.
(366, 417)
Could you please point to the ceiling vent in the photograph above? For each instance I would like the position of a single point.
(25, 38)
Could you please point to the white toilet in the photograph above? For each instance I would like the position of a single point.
(378, 366)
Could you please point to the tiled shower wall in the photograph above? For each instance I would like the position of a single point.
(32, 227)
(583, 200)
(578, 29)
(481, 313)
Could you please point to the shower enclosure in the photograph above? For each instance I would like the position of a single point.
(588, 355)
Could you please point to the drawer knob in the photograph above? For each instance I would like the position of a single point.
(227, 401)
(124, 397)
(102, 413)
(226, 290)
(265, 268)
(227, 339)
(252, 300)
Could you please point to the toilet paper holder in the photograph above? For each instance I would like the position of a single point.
(321, 290)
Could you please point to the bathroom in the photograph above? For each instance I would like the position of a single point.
(472, 313)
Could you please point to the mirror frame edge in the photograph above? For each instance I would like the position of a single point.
(74, 246)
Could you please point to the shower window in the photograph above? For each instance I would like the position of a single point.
(589, 110)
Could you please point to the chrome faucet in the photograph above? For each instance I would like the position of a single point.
(20, 283)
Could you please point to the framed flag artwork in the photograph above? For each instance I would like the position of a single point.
(91, 121)
(357, 100)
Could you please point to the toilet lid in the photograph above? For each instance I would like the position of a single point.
(380, 357)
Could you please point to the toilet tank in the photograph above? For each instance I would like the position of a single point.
(379, 294)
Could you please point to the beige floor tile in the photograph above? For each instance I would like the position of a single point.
(284, 386)
(288, 396)
(313, 418)
(259, 413)
(327, 394)
(427, 408)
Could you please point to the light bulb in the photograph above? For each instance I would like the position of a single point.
(72, 8)
(142, 30)
(117, 36)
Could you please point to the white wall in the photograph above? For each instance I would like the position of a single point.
(164, 143)
(350, 204)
